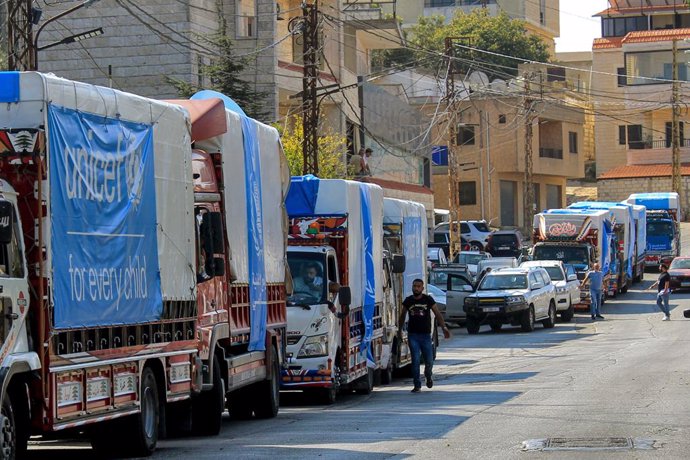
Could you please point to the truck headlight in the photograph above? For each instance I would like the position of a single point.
(314, 346)
(515, 299)
(471, 301)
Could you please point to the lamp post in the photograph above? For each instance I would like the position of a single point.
(83, 4)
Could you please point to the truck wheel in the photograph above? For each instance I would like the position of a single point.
(325, 396)
(550, 322)
(368, 381)
(472, 326)
(624, 289)
(208, 407)
(476, 246)
(8, 443)
(268, 402)
(142, 432)
(241, 403)
(387, 373)
(496, 327)
(527, 322)
(567, 315)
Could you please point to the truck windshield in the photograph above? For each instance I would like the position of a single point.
(309, 280)
(660, 228)
(575, 255)
(498, 282)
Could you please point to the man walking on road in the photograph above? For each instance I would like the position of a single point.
(596, 280)
(664, 291)
(419, 307)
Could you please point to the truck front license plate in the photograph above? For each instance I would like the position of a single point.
(490, 309)
(685, 284)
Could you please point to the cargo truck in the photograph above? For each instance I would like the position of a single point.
(640, 225)
(624, 231)
(663, 225)
(405, 234)
(119, 287)
(579, 237)
(334, 342)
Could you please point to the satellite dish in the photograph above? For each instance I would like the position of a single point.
(477, 80)
(516, 85)
(499, 85)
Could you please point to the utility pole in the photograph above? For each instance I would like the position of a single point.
(528, 186)
(310, 106)
(453, 191)
(20, 38)
(676, 180)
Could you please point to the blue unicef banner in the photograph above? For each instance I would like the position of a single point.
(414, 253)
(103, 220)
(368, 276)
(255, 223)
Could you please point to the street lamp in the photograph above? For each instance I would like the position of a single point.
(74, 38)
(83, 4)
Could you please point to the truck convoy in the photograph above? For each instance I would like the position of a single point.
(624, 230)
(663, 224)
(580, 237)
(134, 284)
(405, 233)
(335, 236)
(640, 223)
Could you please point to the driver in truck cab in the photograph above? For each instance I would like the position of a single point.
(310, 282)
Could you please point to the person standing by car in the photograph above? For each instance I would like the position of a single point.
(418, 307)
(596, 280)
(664, 290)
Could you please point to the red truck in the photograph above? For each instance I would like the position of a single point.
(135, 287)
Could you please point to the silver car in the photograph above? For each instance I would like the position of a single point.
(458, 287)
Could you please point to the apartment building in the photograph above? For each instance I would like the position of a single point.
(632, 89)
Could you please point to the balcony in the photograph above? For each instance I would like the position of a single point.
(375, 23)
(656, 152)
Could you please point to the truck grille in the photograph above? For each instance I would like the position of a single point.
(293, 339)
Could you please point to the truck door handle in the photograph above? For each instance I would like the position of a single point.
(12, 316)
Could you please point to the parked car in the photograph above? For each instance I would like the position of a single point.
(475, 232)
(435, 256)
(516, 296)
(505, 243)
(565, 280)
(679, 271)
(458, 287)
(471, 259)
(438, 276)
(439, 297)
(442, 240)
(494, 263)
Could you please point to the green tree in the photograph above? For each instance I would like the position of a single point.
(223, 75)
(332, 147)
(497, 34)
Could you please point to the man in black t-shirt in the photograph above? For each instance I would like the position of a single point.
(419, 307)
(664, 290)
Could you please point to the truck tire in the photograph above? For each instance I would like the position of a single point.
(240, 402)
(368, 383)
(8, 427)
(527, 321)
(325, 396)
(387, 373)
(141, 433)
(496, 326)
(268, 392)
(472, 326)
(567, 316)
(208, 407)
(550, 322)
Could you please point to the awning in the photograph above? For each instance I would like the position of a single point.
(207, 116)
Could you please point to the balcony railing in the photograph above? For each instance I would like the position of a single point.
(445, 3)
(551, 153)
(656, 144)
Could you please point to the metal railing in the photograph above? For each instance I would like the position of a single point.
(656, 144)
(551, 153)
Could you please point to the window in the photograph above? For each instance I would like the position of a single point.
(622, 77)
(464, 228)
(649, 67)
(572, 142)
(439, 155)
(619, 27)
(502, 118)
(635, 137)
(554, 196)
(669, 133)
(465, 135)
(468, 192)
(11, 258)
(621, 135)
(246, 18)
(555, 74)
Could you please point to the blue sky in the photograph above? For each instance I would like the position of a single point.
(578, 27)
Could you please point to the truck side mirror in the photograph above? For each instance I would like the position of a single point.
(6, 222)
(344, 295)
(399, 263)
(218, 266)
(213, 226)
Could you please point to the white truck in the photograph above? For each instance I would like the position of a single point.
(405, 233)
(640, 224)
(335, 239)
(625, 236)
(663, 225)
(579, 237)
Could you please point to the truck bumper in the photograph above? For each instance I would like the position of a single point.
(307, 373)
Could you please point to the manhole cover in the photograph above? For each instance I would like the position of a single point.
(550, 444)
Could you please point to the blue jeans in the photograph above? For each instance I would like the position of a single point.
(595, 295)
(421, 344)
(662, 303)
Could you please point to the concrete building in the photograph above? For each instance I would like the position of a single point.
(491, 152)
(633, 69)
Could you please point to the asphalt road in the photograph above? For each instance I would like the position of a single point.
(625, 377)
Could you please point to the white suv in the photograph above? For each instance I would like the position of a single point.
(567, 286)
(476, 232)
(516, 296)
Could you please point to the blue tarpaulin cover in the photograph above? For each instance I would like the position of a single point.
(9, 86)
(301, 198)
